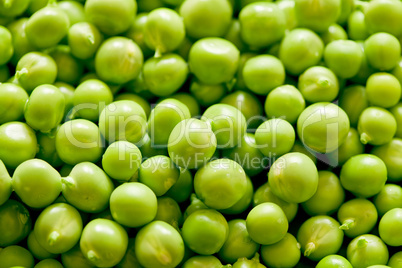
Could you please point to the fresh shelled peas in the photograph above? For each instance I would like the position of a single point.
(200, 133)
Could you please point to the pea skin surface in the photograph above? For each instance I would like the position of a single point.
(200, 133)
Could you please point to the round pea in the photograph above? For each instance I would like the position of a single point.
(200, 261)
(357, 28)
(16, 222)
(388, 198)
(75, 259)
(390, 153)
(16, 256)
(182, 189)
(69, 69)
(334, 261)
(48, 263)
(133, 204)
(383, 90)
(376, 126)
(12, 102)
(396, 260)
(384, 16)
(382, 51)
(6, 45)
(169, 212)
(353, 101)
(84, 39)
(36, 249)
(351, 147)
(397, 113)
(334, 32)
(137, 99)
(366, 250)
(136, 33)
(205, 94)
(285, 253)
(388, 227)
(13, 8)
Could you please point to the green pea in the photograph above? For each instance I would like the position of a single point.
(366, 250)
(47, 148)
(148, 148)
(248, 104)
(123, 120)
(357, 216)
(357, 28)
(16, 223)
(388, 198)
(4, 73)
(163, 30)
(376, 126)
(389, 229)
(129, 259)
(195, 204)
(158, 244)
(213, 60)
(383, 90)
(210, 18)
(384, 16)
(200, 261)
(49, 263)
(118, 59)
(246, 263)
(78, 141)
(353, 101)
(334, 261)
(396, 260)
(220, 183)
(12, 102)
(301, 44)
(365, 68)
(36, 249)
(13, 8)
(317, 15)
(228, 124)
(69, 69)
(68, 92)
(299, 147)
(191, 143)
(318, 84)
(240, 84)
(159, 173)
(288, 8)
(16, 256)
(44, 109)
(190, 101)
(58, 228)
(35, 69)
(364, 175)
(84, 39)
(104, 242)
(351, 147)
(136, 98)
(334, 32)
(163, 118)
(36, 5)
(347, 7)
(205, 231)
(5, 184)
(293, 177)
(75, 259)
(47, 26)
(233, 35)
(350, 53)
(238, 244)
(74, 11)
(165, 75)
(133, 204)
(182, 189)
(262, 24)
(263, 73)
(390, 153)
(328, 197)
(111, 17)
(397, 113)
(267, 223)
(285, 253)
(169, 212)
(244, 202)
(6, 45)
(383, 51)
(87, 187)
(205, 94)
(320, 236)
(136, 33)
(37, 183)
(323, 127)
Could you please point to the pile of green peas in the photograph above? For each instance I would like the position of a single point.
(200, 133)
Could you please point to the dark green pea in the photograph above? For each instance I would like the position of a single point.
(391, 154)
(158, 244)
(87, 187)
(36, 249)
(169, 212)
(12, 102)
(74, 11)
(190, 101)
(210, 18)
(45, 108)
(136, 33)
(138, 86)
(68, 92)
(5, 184)
(357, 216)
(35, 69)
(347, 7)
(205, 94)
(397, 113)
(234, 35)
(238, 244)
(69, 68)
(13, 8)
(299, 147)
(84, 39)
(300, 44)
(357, 29)
(15, 224)
(75, 259)
(262, 24)
(112, 17)
(195, 204)
(49, 263)
(264, 194)
(351, 147)
(129, 260)
(148, 148)
(246, 263)
(334, 32)
(166, 74)
(365, 68)
(244, 202)
(200, 261)
(182, 189)
(4, 73)
(48, 26)
(388, 198)
(320, 236)
(366, 250)
(6, 45)
(16, 256)
(36, 5)
(118, 60)
(285, 253)
(353, 101)
(184, 48)
(47, 148)
(328, 197)
(78, 141)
